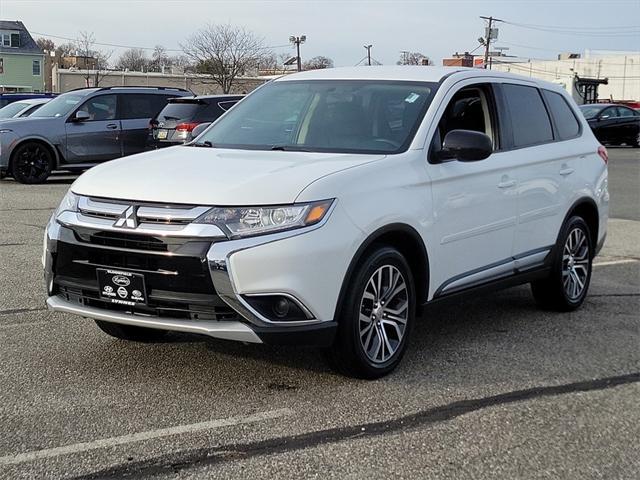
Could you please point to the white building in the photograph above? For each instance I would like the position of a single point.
(622, 69)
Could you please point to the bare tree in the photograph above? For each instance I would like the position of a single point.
(224, 52)
(317, 63)
(414, 58)
(134, 59)
(65, 49)
(159, 58)
(95, 62)
(46, 44)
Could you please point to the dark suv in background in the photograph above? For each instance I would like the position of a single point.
(174, 124)
(79, 129)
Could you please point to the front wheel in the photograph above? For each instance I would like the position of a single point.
(31, 163)
(566, 287)
(376, 316)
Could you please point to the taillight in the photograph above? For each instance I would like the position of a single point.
(186, 127)
(604, 155)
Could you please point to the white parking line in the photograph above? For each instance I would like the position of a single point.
(615, 262)
(141, 436)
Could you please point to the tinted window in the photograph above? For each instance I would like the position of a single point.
(626, 112)
(610, 112)
(227, 105)
(529, 119)
(179, 111)
(566, 123)
(590, 111)
(325, 116)
(141, 105)
(100, 108)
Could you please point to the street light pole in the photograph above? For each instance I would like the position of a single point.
(368, 47)
(297, 41)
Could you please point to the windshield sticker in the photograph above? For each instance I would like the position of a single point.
(412, 97)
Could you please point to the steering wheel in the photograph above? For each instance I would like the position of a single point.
(393, 143)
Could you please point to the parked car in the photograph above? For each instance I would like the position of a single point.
(7, 98)
(329, 206)
(613, 124)
(174, 124)
(80, 129)
(21, 108)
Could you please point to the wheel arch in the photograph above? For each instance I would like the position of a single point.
(409, 242)
(587, 209)
(49, 146)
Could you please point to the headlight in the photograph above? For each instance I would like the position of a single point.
(68, 204)
(249, 221)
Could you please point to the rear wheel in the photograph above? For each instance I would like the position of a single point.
(129, 332)
(566, 287)
(635, 142)
(376, 318)
(31, 163)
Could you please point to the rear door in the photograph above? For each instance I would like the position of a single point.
(136, 110)
(98, 138)
(628, 125)
(606, 125)
(548, 155)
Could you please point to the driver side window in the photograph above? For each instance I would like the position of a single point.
(470, 109)
(102, 107)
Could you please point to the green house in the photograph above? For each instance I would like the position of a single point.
(21, 60)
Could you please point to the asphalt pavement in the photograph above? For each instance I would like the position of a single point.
(491, 387)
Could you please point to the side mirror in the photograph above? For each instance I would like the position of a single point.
(81, 116)
(201, 127)
(466, 146)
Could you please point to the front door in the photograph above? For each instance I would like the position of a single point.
(97, 138)
(474, 203)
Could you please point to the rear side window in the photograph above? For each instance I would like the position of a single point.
(140, 105)
(529, 119)
(566, 122)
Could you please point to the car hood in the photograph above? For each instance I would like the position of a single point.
(19, 123)
(211, 176)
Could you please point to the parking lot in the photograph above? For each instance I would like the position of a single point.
(490, 387)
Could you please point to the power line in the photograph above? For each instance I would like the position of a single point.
(132, 46)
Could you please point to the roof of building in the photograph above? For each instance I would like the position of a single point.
(27, 43)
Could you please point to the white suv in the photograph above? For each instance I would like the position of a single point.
(328, 207)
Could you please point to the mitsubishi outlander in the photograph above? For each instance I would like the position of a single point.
(328, 207)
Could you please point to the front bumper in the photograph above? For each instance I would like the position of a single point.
(235, 275)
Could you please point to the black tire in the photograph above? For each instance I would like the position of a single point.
(349, 355)
(129, 332)
(571, 267)
(31, 163)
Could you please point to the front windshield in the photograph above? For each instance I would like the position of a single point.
(354, 116)
(60, 105)
(12, 109)
(590, 111)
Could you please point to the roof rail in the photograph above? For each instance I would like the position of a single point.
(133, 86)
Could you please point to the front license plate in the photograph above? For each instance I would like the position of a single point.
(125, 288)
(162, 134)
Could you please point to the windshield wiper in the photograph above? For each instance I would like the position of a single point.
(205, 143)
(289, 148)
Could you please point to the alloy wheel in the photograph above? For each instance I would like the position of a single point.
(575, 263)
(32, 162)
(384, 311)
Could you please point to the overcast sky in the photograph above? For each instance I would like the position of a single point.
(339, 29)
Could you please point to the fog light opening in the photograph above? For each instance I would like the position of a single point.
(278, 308)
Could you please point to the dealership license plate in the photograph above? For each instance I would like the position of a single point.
(125, 288)
(162, 134)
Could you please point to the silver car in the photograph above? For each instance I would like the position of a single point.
(22, 108)
(80, 129)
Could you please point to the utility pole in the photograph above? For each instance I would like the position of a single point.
(488, 38)
(297, 41)
(368, 47)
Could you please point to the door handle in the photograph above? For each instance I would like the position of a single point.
(506, 183)
(564, 171)
(112, 126)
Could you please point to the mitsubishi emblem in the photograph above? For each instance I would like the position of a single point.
(128, 219)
